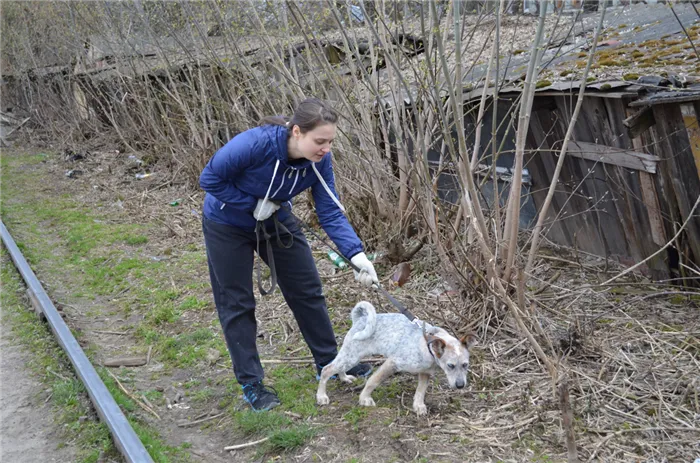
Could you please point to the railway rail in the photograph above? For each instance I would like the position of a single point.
(125, 439)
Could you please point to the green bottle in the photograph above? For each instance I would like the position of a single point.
(337, 260)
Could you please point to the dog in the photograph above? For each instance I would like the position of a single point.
(407, 347)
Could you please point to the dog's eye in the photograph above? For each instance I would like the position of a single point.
(451, 366)
(465, 365)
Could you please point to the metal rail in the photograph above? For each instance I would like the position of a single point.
(124, 436)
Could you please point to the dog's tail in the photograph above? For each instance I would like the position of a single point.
(364, 310)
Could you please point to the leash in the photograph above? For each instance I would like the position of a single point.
(260, 228)
(376, 286)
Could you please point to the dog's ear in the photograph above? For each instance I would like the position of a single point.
(436, 345)
(468, 340)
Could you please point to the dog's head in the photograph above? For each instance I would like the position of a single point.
(452, 355)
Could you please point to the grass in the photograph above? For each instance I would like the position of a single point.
(356, 415)
(282, 434)
(389, 390)
(92, 258)
(296, 388)
(109, 259)
(71, 405)
(288, 439)
(251, 422)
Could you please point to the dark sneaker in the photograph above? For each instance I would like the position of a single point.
(259, 397)
(359, 370)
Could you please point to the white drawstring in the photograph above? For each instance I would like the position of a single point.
(328, 190)
(282, 184)
(295, 182)
(274, 173)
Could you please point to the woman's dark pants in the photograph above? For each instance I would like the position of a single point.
(230, 253)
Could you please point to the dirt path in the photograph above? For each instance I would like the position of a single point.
(27, 429)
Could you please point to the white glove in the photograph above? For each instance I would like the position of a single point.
(265, 209)
(367, 274)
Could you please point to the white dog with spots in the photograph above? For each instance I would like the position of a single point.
(407, 346)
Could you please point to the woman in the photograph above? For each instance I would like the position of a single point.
(246, 182)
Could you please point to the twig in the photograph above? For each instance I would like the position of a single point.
(696, 10)
(247, 444)
(148, 355)
(548, 283)
(146, 401)
(57, 374)
(132, 397)
(501, 428)
(116, 333)
(510, 228)
(192, 423)
(567, 416)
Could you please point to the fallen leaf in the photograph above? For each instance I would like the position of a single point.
(402, 274)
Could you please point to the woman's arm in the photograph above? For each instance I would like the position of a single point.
(329, 214)
(218, 176)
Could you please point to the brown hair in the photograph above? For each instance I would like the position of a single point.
(308, 115)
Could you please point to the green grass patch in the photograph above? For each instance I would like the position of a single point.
(288, 439)
(193, 303)
(185, 349)
(296, 388)
(389, 390)
(355, 415)
(252, 422)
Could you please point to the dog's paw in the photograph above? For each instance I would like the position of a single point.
(322, 400)
(367, 402)
(420, 409)
(346, 378)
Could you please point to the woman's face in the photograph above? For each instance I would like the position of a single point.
(314, 144)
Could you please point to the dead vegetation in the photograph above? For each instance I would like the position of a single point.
(626, 352)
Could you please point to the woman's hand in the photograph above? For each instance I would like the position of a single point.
(265, 209)
(367, 275)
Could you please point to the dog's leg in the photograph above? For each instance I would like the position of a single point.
(387, 369)
(321, 395)
(419, 399)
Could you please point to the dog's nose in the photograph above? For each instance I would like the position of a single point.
(460, 384)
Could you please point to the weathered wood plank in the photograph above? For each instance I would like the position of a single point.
(617, 111)
(675, 100)
(646, 183)
(543, 165)
(615, 156)
(612, 231)
(691, 118)
(595, 94)
(639, 122)
(684, 179)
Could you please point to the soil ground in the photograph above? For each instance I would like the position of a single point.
(28, 431)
